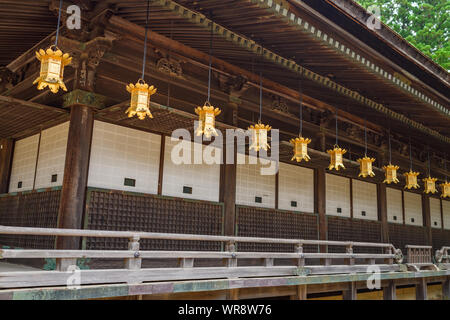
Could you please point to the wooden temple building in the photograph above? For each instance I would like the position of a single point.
(83, 183)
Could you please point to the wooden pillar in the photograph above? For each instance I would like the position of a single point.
(73, 191)
(446, 289)
(6, 154)
(319, 204)
(162, 151)
(382, 211)
(350, 293)
(427, 218)
(228, 174)
(389, 292)
(301, 294)
(421, 289)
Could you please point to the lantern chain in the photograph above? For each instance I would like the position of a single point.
(145, 40)
(59, 22)
(410, 154)
(210, 60)
(336, 126)
(429, 161)
(301, 108)
(260, 97)
(365, 137)
(390, 147)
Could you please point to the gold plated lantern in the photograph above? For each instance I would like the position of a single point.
(207, 120)
(140, 99)
(336, 160)
(445, 187)
(411, 180)
(429, 185)
(300, 149)
(259, 136)
(51, 75)
(366, 167)
(391, 174)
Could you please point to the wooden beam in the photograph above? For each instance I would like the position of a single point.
(350, 293)
(301, 293)
(446, 289)
(6, 155)
(76, 168)
(389, 292)
(421, 289)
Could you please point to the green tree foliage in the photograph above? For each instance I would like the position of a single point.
(424, 23)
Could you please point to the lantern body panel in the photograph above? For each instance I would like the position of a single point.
(429, 185)
(391, 174)
(300, 149)
(445, 189)
(411, 180)
(52, 69)
(140, 100)
(207, 120)
(365, 165)
(336, 158)
(259, 137)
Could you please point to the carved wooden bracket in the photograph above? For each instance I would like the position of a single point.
(86, 58)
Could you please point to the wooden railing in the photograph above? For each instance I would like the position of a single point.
(419, 254)
(227, 261)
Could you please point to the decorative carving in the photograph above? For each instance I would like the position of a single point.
(170, 66)
(235, 86)
(279, 105)
(7, 79)
(86, 58)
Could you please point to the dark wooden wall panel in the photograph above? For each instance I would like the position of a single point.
(346, 229)
(130, 212)
(401, 235)
(271, 223)
(441, 238)
(31, 209)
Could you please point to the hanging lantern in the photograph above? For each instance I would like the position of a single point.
(411, 180)
(140, 99)
(429, 185)
(391, 174)
(366, 167)
(207, 120)
(445, 187)
(51, 75)
(300, 149)
(337, 158)
(259, 136)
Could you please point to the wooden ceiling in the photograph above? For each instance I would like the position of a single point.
(23, 23)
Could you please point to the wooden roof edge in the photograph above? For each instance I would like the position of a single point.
(357, 13)
(286, 63)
